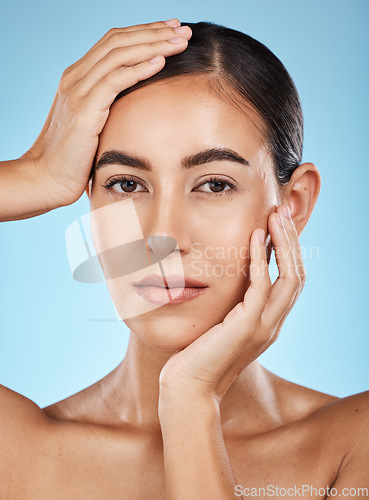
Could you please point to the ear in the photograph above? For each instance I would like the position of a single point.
(88, 188)
(301, 193)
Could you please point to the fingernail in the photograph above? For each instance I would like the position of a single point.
(155, 59)
(177, 39)
(262, 235)
(172, 22)
(286, 212)
(280, 221)
(183, 30)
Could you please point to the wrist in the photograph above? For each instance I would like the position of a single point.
(22, 192)
(34, 171)
(177, 404)
(45, 184)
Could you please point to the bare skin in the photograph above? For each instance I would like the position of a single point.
(307, 438)
(107, 441)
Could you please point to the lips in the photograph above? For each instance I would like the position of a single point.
(172, 289)
(173, 281)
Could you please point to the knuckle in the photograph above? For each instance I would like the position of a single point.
(302, 281)
(113, 54)
(296, 280)
(69, 76)
(74, 103)
(74, 98)
(115, 37)
(264, 337)
(81, 112)
(77, 92)
(274, 336)
(135, 74)
(63, 86)
(66, 72)
(112, 31)
(65, 79)
(108, 79)
(152, 26)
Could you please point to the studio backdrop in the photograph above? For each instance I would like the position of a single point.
(59, 334)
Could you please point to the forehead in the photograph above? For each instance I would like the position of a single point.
(181, 113)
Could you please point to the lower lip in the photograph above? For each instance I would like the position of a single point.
(160, 295)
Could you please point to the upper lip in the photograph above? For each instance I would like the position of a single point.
(174, 281)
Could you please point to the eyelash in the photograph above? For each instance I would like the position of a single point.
(120, 179)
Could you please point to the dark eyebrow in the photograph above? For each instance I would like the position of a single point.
(213, 154)
(206, 156)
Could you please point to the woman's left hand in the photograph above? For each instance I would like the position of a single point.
(209, 365)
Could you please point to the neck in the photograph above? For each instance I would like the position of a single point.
(131, 392)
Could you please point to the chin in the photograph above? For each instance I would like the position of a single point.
(169, 331)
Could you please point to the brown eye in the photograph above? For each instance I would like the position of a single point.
(128, 186)
(123, 186)
(217, 187)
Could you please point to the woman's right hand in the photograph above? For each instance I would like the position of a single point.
(63, 153)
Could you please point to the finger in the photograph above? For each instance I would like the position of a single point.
(230, 346)
(258, 292)
(239, 332)
(135, 37)
(125, 29)
(287, 285)
(285, 213)
(127, 56)
(119, 37)
(106, 90)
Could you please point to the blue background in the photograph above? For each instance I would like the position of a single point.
(51, 346)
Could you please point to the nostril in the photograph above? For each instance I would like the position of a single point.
(162, 246)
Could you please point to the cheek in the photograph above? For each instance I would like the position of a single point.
(224, 232)
(222, 256)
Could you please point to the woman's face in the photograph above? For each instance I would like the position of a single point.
(210, 207)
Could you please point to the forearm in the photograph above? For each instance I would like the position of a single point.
(196, 462)
(22, 191)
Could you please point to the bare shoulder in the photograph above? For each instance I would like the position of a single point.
(344, 420)
(297, 402)
(335, 431)
(309, 402)
(346, 423)
(17, 410)
(340, 428)
(22, 423)
(348, 417)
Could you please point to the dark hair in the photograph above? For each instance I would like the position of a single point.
(257, 76)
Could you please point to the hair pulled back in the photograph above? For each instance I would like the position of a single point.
(255, 74)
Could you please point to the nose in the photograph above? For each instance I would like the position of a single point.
(162, 246)
(165, 220)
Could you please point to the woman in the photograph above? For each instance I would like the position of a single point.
(200, 153)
